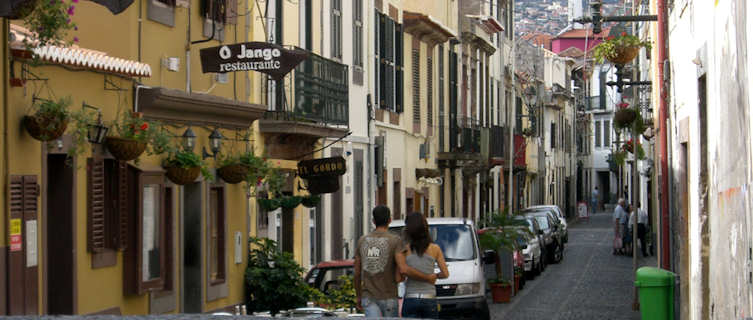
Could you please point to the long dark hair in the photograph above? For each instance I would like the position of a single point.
(417, 232)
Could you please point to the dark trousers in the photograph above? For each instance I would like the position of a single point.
(420, 308)
(642, 237)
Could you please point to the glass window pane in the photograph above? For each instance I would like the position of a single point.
(151, 232)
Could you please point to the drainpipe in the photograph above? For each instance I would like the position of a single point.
(6, 100)
(663, 110)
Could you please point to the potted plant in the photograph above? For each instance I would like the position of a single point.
(183, 167)
(624, 116)
(49, 20)
(500, 235)
(621, 49)
(131, 135)
(271, 271)
(50, 119)
(231, 169)
(501, 290)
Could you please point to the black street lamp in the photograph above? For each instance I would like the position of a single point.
(95, 133)
(189, 139)
(215, 144)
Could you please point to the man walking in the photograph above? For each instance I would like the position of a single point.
(642, 223)
(619, 217)
(594, 199)
(378, 267)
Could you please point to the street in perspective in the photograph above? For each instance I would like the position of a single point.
(426, 159)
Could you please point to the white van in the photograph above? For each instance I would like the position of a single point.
(463, 294)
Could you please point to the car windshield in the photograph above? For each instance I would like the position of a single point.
(543, 222)
(455, 240)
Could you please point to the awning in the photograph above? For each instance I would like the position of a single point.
(490, 24)
(426, 27)
(75, 56)
(195, 108)
(115, 6)
(428, 173)
(480, 42)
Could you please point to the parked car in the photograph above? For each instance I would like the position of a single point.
(538, 256)
(560, 215)
(463, 293)
(551, 230)
(324, 276)
(530, 250)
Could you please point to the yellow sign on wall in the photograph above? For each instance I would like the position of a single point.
(15, 235)
(15, 227)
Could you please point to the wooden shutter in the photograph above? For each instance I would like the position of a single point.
(122, 213)
(399, 68)
(95, 182)
(416, 68)
(429, 92)
(22, 280)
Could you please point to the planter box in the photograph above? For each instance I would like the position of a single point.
(501, 292)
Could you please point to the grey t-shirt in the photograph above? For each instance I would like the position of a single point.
(377, 254)
(619, 213)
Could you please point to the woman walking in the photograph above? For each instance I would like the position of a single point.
(420, 296)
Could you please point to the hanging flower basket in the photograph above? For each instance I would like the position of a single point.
(233, 173)
(624, 117)
(311, 201)
(45, 127)
(183, 176)
(125, 149)
(268, 204)
(290, 202)
(624, 55)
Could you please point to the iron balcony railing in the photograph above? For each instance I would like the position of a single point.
(321, 90)
(595, 103)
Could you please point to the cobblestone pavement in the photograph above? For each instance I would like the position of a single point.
(590, 283)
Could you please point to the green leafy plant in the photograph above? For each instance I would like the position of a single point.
(501, 233)
(131, 125)
(607, 49)
(273, 279)
(619, 156)
(52, 109)
(344, 295)
(81, 122)
(159, 138)
(50, 22)
(187, 159)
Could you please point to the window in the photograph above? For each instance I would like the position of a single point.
(312, 237)
(519, 114)
(151, 237)
(389, 59)
(337, 49)
(161, 11)
(216, 14)
(429, 94)
(553, 135)
(108, 209)
(607, 131)
(597, 136)
(358, 33)
(216, 230)
(416, 71)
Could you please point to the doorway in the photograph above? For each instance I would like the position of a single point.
(192, 205)
(604, 191)
(60, 218)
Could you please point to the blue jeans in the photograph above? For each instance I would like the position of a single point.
(379, 308)
(420, 308)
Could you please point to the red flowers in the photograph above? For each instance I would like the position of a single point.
(144, 126)
(623, 105)
(610, 38)
(623, 33)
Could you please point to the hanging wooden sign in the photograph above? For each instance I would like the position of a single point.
(268, 58)
(319, 168)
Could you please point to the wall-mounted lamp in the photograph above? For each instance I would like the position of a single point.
(96, 133)
(189, 139)
(215, 143)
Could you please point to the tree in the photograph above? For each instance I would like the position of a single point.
(274, 280)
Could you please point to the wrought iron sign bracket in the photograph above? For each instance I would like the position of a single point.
(110, 85)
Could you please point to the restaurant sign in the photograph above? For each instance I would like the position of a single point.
(320, 168)
(269, 58)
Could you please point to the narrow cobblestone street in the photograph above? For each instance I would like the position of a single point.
(590, 283)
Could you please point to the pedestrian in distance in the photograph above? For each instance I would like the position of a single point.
(379, 265)
(594, 199)
(627, 239)
(618, 217)
(421, 254)
(642, 223)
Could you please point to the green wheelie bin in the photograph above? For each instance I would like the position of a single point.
(656, 293)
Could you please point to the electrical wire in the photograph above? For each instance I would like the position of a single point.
(325, 147)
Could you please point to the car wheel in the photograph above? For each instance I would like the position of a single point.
(536, 269)
(558, 253)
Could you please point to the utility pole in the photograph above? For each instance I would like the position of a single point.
(636, 178)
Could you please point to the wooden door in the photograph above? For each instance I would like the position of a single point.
(22, 255)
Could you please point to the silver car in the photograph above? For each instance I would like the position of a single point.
(560, 215)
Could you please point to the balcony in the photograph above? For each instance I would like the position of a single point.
(465, 141)
(520, 151)
(595, 103)
(320, 109)
(321, 90)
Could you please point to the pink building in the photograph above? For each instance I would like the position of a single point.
(577, 38)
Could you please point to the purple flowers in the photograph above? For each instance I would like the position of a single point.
(75, 39)
(70, 10)
(74, 1)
